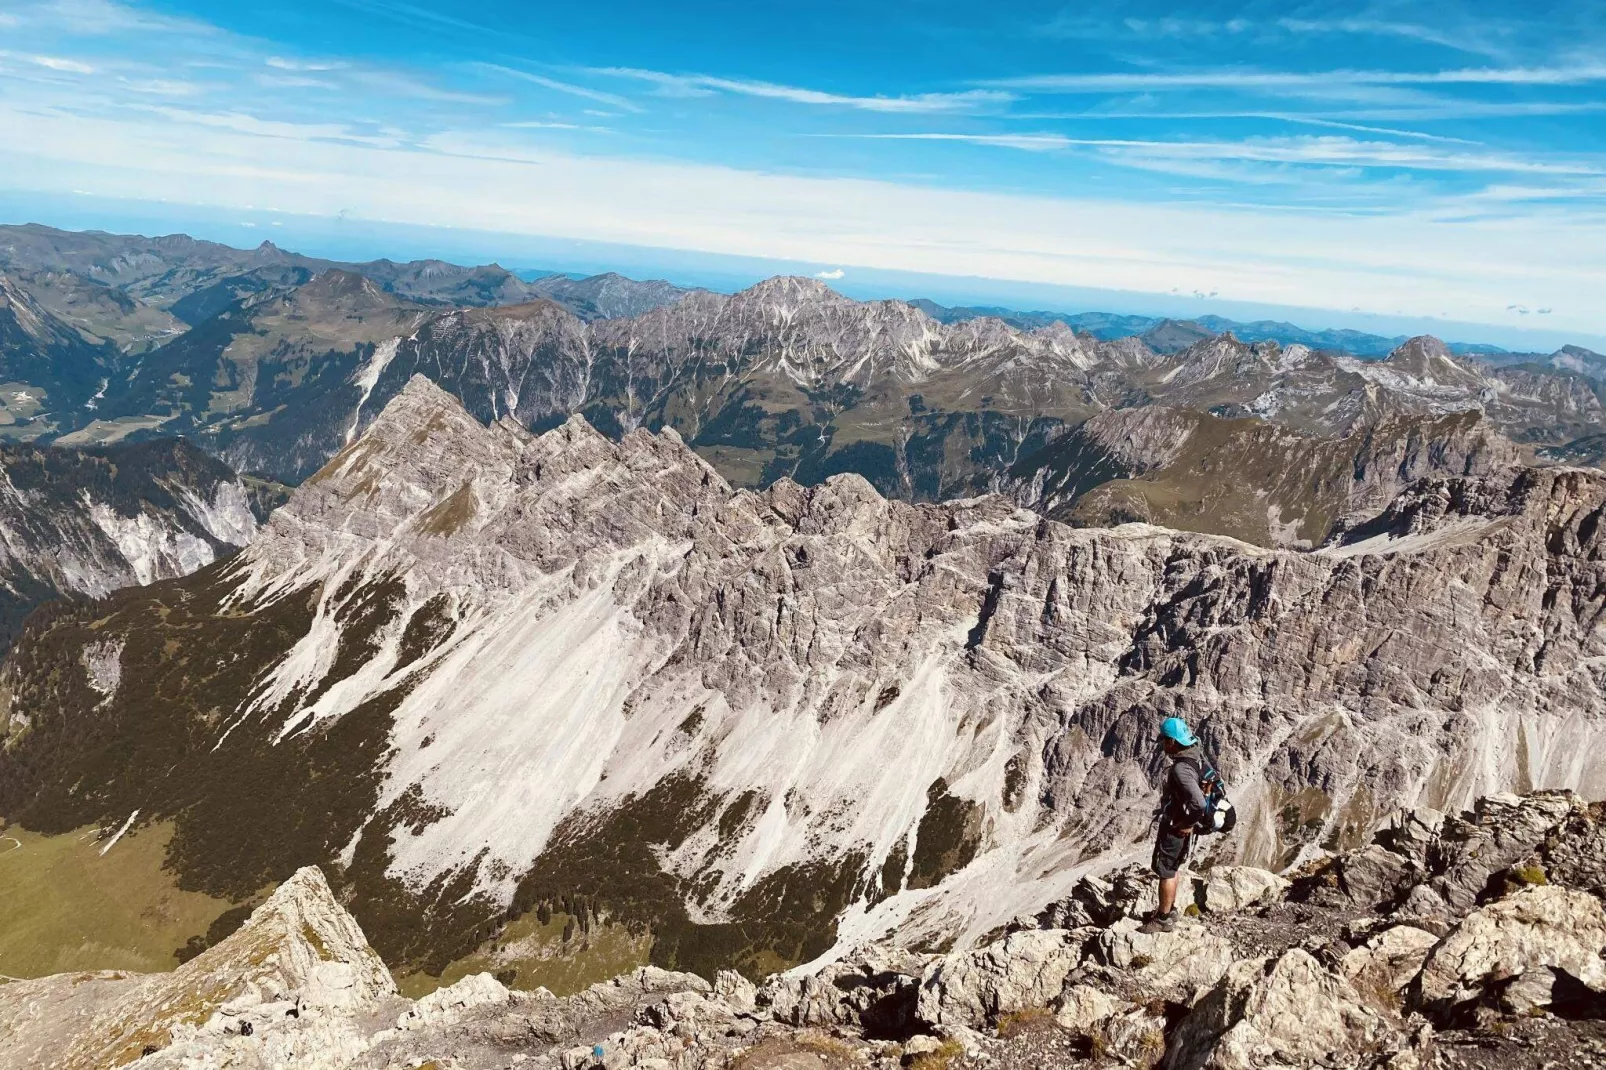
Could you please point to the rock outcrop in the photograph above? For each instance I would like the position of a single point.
(290, 979)
(1518, 982)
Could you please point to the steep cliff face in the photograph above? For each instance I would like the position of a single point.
(1247, 478)
(84, 523)
(477, 668)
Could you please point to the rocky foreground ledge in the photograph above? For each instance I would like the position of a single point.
(1476, 940)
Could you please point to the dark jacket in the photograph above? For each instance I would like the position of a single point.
(1182, 804)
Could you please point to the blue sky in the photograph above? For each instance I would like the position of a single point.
(1400, 159)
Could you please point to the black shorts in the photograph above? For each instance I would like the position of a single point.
(1170, 852)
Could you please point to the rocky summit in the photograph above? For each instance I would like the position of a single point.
(1470, 940)
(485, 677)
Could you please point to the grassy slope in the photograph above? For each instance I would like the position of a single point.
(68, 908)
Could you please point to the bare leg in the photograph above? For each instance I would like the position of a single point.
(1168, 894)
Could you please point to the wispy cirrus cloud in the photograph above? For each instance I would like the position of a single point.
(283, 63)
(101, 18)
(1315, 151)
(613, 100)
(66, 66)
(1477, 39)
(406, 85)
(918, 103)
(1475, 36)
(1254, 79)
(244, 123)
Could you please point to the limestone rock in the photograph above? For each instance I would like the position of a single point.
(738, 992)
(1082, 1007)
(299, 962)
(1533, 929)
(876, 989)
(1381, 967)
(1025, 969)
(1574, 852)
(1411, 832)
(1225, 889)
(1130, 891)
(1373, 876)
(1278, 1011)
(1134, 1037)
(1172, 966)
(475, 990)
(1502, 829)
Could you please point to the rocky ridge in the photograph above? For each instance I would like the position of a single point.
(1247, 478)
(81, 523)
(790, 379)
(1451, 941)
(286, 359)
(481, 670)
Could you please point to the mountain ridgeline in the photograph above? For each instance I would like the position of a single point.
(484, 673)
(274, 362)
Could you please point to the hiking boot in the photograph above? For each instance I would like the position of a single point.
(1160, 923)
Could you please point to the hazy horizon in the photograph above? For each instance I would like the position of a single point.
(352, 239)
(1409, 162)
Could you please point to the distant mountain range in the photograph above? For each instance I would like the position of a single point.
(1169, 335)
(274, 362)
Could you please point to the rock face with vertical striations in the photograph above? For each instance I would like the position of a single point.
(82, 523)
(479, 670)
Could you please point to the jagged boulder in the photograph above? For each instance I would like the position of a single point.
(1099, 901)
(1279, 1011)
(688, 1015)
(1411, 832)
(475, 990)
(1225, 889)
(1025, 969)
(1500, 831)
(1574, 853)
(736, 991)
(1135, 1037)
(1172, 966)
(1534, 933)
(1082, 1007)
(1370, 877)
(1381, 967)
(875, 989)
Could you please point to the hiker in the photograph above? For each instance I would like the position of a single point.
(1182, 807)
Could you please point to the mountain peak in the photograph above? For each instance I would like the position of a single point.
(1423, 347)
(1427, 359)
(790, 288)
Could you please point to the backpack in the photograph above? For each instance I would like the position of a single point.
(1220, 816)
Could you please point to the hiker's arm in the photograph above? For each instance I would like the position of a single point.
(1191, 794)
